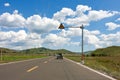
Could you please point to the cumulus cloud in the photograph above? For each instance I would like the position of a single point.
(34, 23)
(92, 40)
(111, 39)
(112, 26)
(38, 24)
(90, 37)
(12, 20)
(82, 15)
(101, 14)
(61, 15)
(32, 40)
(80, 9)
(70, 32)
(54, 40)
(99, 40)
(70, 17)
(118, 19)
(7, 4)
(20, 39)
(12, 36)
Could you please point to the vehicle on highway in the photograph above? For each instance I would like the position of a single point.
(59, 56)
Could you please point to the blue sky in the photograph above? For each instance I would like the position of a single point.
(30, 24)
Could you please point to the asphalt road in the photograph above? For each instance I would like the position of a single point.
(47, 69)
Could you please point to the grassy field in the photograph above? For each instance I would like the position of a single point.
(108, 65)
(17, 57)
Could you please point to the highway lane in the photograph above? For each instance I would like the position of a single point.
(47, 69)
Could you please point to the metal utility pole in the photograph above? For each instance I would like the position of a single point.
(82, 48)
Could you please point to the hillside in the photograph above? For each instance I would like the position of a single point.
(43, 50)
(109, 51)
(6, 50)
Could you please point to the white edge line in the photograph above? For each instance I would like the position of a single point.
(92, 69)
(20, 61)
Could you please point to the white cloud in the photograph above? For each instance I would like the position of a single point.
(61, 15)
(34, 23)
(92, 40)
(80, 9)
(74, 18)
(110, 39)
(90, 37)
(13, 36)
(12, 20)
(78, 21)
(33, 40)
(54, 40)
(82, 15)
(99, 40)
(7, 4)
(118, 19)
(70, 32)
(101, 14)
(38, 24)
(112, 26)
(20, 40)
(95, 32)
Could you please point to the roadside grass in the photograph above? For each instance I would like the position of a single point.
(17, 57)
(106, 65)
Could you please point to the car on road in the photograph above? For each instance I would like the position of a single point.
(59, 56)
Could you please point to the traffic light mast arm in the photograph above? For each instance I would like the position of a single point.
(62, 27)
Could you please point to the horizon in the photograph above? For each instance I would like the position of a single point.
(56, 49)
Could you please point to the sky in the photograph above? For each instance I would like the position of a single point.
(28, 24)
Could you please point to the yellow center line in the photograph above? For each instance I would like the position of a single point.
(45, 62)
(32, 69)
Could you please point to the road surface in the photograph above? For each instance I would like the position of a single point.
(47, 69)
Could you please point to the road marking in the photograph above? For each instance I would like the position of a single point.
(32, 69)
(45, 62)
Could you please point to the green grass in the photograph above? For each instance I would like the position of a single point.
(109, 65)
(17, 57)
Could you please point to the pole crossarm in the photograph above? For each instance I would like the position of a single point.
(62, 26)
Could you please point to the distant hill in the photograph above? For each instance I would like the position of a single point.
(43, 50)
(6, 50)
(109, 51)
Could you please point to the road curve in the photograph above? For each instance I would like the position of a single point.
(47, 69)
